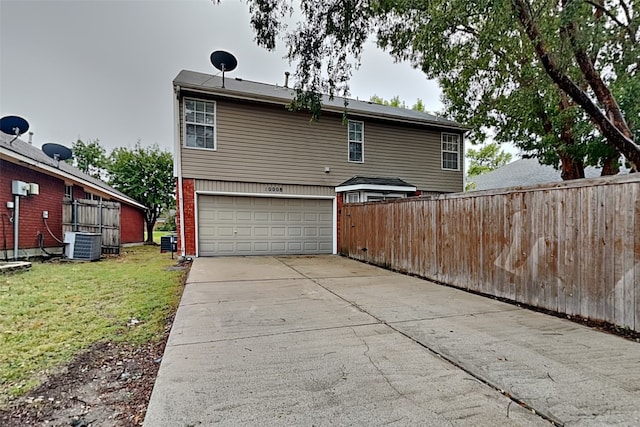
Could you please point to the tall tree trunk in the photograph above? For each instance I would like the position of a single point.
(613, 134)
(570, 168)
(150, 226)
(610, 165)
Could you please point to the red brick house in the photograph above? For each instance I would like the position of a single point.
(56, 183)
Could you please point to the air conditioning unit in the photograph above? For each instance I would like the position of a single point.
(82, 246)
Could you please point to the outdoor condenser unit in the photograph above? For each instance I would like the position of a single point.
(82, 246)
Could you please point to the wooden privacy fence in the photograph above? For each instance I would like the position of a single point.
(572, 247)
(93, 216)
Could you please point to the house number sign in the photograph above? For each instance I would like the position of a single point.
(273, 189)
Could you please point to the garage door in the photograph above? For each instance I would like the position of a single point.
(229, 225)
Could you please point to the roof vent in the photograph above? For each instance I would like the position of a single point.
(286, 79)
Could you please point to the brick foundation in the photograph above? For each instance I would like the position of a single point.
(188, 185)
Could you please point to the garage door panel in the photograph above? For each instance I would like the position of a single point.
(223, 216)
(262, 216)
(278, 231)
(294, 231)
(230, 225)
(244, 216)
(261, 232)
(326, 231)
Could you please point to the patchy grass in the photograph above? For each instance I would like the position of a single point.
(50, 313)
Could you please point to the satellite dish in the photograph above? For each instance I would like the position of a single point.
(56, 151)
(14, 126)
(223, 61)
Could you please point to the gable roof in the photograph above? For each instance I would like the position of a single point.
(274, 94)
(26, 153)
(524, 172)
(379, 183)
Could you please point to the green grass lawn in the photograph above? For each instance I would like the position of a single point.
(53, 311)
(158, 234)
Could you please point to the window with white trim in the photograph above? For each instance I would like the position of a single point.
(68, 192)
(356, 141)
(451, 151)
(200, 124)
(353, 197)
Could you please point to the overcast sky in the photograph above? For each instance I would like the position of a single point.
(103, 69)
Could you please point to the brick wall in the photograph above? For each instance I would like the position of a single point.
(30, 223)
(339, 203)
(131, 224)
(188, 186)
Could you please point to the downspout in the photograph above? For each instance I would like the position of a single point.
(75, 215)
(16, 225)
(178, 165)
(100, 206)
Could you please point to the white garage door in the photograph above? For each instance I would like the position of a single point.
(230, 225)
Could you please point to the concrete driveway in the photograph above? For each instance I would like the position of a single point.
(330, 341)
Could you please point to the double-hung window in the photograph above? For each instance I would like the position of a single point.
(200, 124)
(68, 192)
(451, 151)
(356, 141)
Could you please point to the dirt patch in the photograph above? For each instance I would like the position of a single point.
(108, 385)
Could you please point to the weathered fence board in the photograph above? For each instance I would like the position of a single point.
(93, 216)
(571, 247)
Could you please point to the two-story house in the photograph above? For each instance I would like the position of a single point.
(255, 178)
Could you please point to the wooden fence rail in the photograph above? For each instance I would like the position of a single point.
(572, 247)
(93, 216)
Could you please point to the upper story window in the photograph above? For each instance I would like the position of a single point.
(451, 151)
(356, 141)
(200, 122)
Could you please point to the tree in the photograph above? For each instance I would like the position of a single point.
(572, 65)
(146, 175)
(397, 102)
(487, 158)
(90, 158)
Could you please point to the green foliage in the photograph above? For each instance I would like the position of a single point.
(169, 224)
(146, 175)
(55, 310)
(487, 158)
(518, 66)
(397, 102)
(90, 158)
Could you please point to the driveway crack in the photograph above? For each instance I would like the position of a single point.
(367, 353)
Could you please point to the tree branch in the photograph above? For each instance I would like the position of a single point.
(613, 18)
(614, 136)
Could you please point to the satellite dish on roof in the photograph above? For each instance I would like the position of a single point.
(223, 61)
(56, 151)
(14, 126)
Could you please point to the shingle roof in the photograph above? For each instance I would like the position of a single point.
(22, 148)
(239, 88)
(524, 172)
(379, 180)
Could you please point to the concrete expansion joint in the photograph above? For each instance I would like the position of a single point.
(397, 322)
(244, 280)
(299, 331)
(547, 417)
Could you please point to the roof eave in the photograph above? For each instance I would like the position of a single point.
(50, 170)
(375, 187)
(228, 93)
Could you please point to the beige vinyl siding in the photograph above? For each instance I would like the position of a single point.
(268, 144)
(262, 188)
